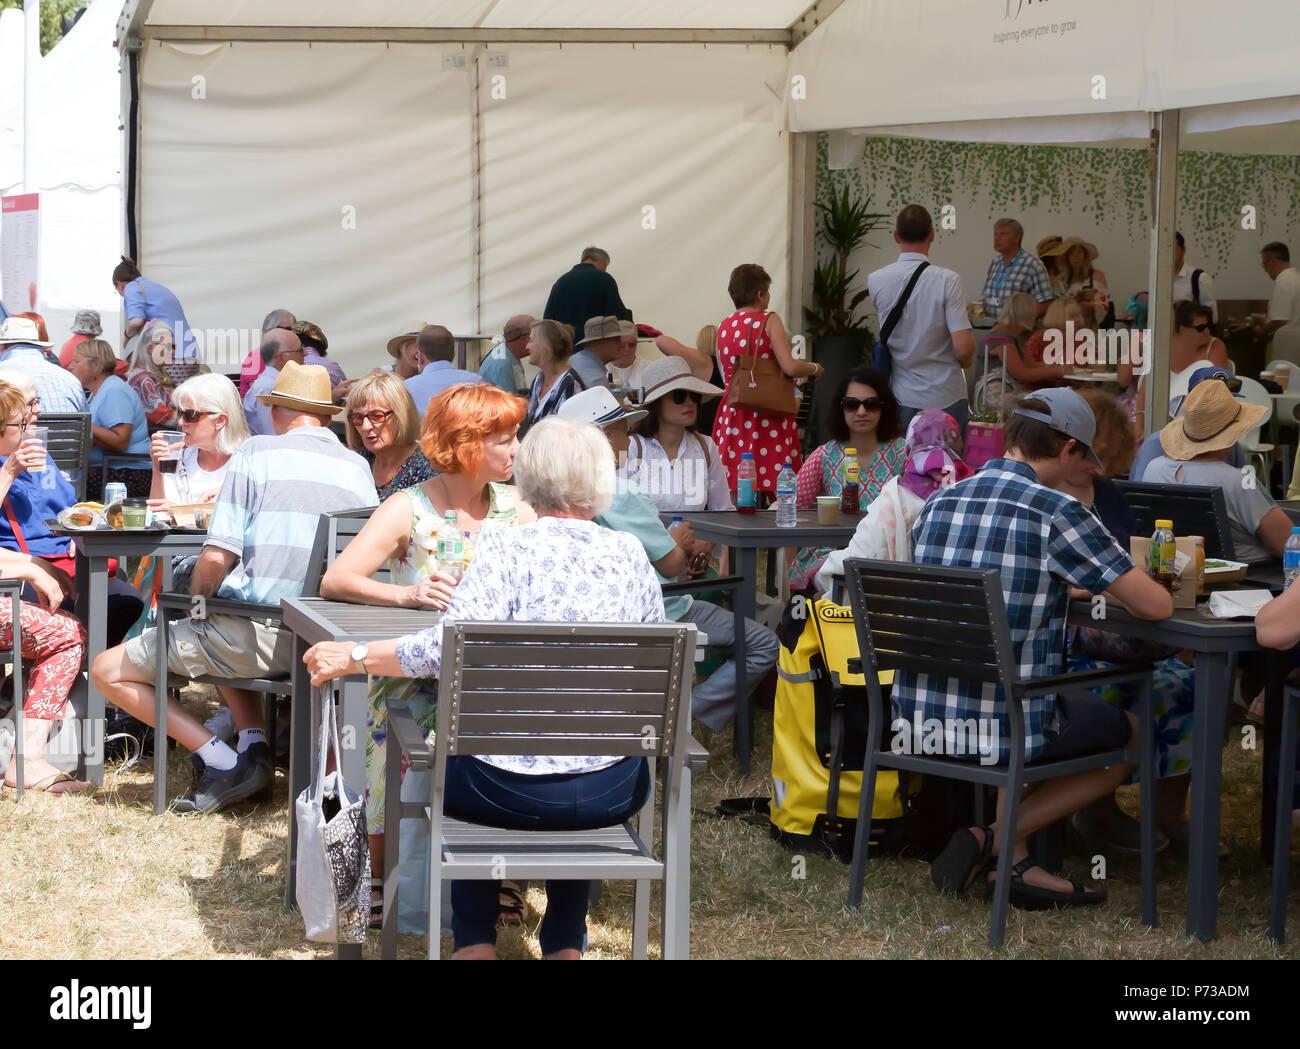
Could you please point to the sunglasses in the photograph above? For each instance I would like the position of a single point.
(871, 404)
(192, 415)
(682, 396)
(377, 417)
(1200, 327)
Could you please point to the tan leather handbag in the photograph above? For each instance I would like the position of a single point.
(759, 384)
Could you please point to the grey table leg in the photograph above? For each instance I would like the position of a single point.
(301, 718)
(744, 608)
(1211, 707)
(352, 733)
(1276, 670)
(92, 587)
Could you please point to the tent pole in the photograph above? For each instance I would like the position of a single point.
(31, 58)
(800, 245)
(476, 199)
(1161, 276)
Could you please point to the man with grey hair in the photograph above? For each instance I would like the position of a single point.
(437, 347)
(252, 366)
(1014, 269)
(278, 347)
(601, 345)
(502, 366)
(584, 292)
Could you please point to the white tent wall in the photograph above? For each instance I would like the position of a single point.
(331, 179)
(589, 138)
(243, 190)
(77, 165)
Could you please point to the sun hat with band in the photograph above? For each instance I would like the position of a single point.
(1068, 414)
(1047, 244)
(412, 332)
(598, 406)
(1072, 242)
(662, 377)
(1212, 420)
(303, 388)
(21, 329)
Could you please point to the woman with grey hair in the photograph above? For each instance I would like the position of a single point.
(154, 350)
(212, 419)
(562, 567)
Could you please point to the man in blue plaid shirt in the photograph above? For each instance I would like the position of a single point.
(1010, 517)
(1014, 269)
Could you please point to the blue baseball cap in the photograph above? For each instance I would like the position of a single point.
(1212, 372)
(1067, 413)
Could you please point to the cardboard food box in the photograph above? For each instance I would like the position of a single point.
(1184, 564)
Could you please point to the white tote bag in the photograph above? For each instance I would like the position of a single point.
(333, 874)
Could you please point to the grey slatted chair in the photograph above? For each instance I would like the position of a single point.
(11, 591)
(1282, 824)
(1194, 509)
(68, 444)
(556, 688)
(952, 622)
(334, 531)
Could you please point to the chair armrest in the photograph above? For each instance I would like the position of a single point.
(1085, 679)
(219, 606)
(725, 582)
(409, 737)
(695, 756)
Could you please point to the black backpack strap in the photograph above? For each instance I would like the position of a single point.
(896, 314)
(1196, 286)
(834, 828)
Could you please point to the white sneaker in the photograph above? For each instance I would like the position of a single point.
(222, 725)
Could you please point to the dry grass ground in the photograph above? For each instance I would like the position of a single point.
(100, 877)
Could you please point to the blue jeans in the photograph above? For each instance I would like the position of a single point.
(959, 410)
(482, 793)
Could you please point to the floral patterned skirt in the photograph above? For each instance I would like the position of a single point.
(422, 697)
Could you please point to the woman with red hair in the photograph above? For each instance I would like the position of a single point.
(469, 435)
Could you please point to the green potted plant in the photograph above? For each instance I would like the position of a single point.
(840, 337)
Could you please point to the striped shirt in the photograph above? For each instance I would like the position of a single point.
(275, 490)
(58, 390)
(1041, 541)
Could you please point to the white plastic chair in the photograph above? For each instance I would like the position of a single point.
(1255, 449)
(1285, 408)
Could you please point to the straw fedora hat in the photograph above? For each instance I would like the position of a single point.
(412, 331)
(661, 377)
(1064, 247)
(302, 387)
(1212, 419)
(1047, 244)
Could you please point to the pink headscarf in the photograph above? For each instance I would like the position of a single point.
(932, 455)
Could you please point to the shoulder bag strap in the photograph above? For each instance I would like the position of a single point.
(896, 314)
(1196, 286)
(13, 523)
(704, 447)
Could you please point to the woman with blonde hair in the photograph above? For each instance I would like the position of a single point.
(154, 350)
(470, 436)
(383, 425)
(707, 343)
(211, 417)
(117, 421)
(1083, 283)
(1006, 341)
(550, 345)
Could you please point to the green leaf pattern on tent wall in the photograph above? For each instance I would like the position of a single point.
(1212, 187)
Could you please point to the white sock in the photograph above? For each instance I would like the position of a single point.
(249, 736)
(217, 755)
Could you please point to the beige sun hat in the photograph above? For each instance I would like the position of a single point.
(1046, 245)
(661, 377)
(412, 331)
(303, 387)
(598, 328)
(1212, 419)
(1064, 247)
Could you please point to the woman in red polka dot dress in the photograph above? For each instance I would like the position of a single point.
(752, 329)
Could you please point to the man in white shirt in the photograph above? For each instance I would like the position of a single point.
(1283, 321)
(1190, 283)
(278, 347)
(932, 341)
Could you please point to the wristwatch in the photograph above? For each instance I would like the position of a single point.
(359, 653)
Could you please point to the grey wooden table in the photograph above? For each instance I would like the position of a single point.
(1216, 642)
(94, 550)
(314, 619)
(746, 535)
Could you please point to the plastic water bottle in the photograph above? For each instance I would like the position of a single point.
(746, 474)
(786, 514)
(451, 546)
(1291, 557)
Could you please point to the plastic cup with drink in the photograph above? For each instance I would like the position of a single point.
(170, 462)
(39, 435)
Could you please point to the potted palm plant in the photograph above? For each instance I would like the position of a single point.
(840, 335)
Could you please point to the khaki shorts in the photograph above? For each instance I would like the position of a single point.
(220, 646)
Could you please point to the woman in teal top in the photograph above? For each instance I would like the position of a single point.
(470, 436)
(117, 418)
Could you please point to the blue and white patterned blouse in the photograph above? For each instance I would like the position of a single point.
(559, 570)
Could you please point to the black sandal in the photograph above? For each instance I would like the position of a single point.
(1035, 898)
(962, 861)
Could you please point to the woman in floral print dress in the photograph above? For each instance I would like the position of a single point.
(470, 436)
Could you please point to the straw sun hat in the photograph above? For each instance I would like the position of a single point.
(1212, 419)
(1064, 247)
(412, 331)
(302, 387)
(661, 377)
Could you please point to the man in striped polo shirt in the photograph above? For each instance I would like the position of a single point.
(258, 549)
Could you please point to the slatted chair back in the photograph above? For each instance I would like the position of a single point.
(565, 688)
(68, 444)
(1194, 509)
(334, 532)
